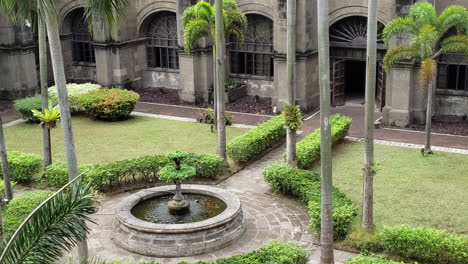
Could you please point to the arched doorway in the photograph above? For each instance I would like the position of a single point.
(348, 43)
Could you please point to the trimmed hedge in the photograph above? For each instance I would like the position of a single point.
(306, 186)
(74, 92)
(26, 105)
(371, 260)
(105, 177)
(23, 166)
(273, 252)
(425, 244)
(308, 149)
(109, 104)
(19, 208)
(256, 141)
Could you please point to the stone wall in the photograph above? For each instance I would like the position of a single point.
(161, 79)
(451, 103)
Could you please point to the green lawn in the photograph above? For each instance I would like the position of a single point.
(101, 142)
(409, 188)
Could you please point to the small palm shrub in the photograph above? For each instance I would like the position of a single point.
(109, 104)
(19, 208)
(26, 106)
(23, 166)
(74, 92)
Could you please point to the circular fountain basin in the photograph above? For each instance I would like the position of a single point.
(154, 237)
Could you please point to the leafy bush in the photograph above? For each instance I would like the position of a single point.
(74, 92)
(109, 104)
(208, 115)
(26, 105)
(56, 175)
(308, 150)
(19, 208)
(206, 165)
(306, 186)
(363, 241)
(425, 244)
(273, 252)
(256, 141)
(371, 260)
(23, 166)
(2, 187)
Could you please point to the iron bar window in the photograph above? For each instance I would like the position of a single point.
(254, 56)
(162, 46)
(82, 40)
(452, 72)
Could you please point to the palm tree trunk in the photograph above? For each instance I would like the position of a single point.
(326, 231)
(44, 92)
(368, 171)
(430, 98)
(215, 85)
(65, 115)
(5, 166)
(291, 63)
(220, 71)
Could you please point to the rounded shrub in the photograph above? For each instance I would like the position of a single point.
(23, 166)
(56, 175)
(74, 92)
(109, 104)
(19, 208)
(26, 105)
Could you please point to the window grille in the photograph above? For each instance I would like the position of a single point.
(452, 73)
(82, 40)
(162, 42)
(254, 56)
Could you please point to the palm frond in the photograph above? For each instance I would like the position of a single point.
(18, 10)
(456, 44)
(235, 23)
(399, 54)
(106, 13)
(428, 69)
(454, 16)
(399, 26)
(425, 40)
(188, 15)
(205, 11)
(57, 226)
(194, 30)
(423, 13)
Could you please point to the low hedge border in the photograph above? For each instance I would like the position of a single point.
(306, 185)
(247, 147)
(23, 166)
(371, 260)
(105, 177)
(424, 244)
(308, 149)
(273, 252)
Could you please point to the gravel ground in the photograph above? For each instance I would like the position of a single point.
(453, 125)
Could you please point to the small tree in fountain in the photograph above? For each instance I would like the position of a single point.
(177, 174)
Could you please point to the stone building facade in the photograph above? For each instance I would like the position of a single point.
(147, 51)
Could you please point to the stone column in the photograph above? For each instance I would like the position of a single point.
(18, 68)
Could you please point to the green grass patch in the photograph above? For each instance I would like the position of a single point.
(410, 189)
(100, 142)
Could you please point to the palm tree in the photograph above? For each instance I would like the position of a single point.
(427, 31)
(201, 20)
(5, 166)
(55, 226)
(291, 63)
(368, 171)
(326, 230)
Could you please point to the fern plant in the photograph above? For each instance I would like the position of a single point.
(49, 118)
(428, 40)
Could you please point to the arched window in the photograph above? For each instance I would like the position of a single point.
(162, 44)
(82, 40)
(352, 32)
(254, 56)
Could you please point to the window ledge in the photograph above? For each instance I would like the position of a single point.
(163, 70)
(251, 77)
(84, 64)
(451, 92)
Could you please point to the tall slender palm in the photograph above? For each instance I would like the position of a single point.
(57, 225)
(291, 63)
(368, 202)
(326, 232)
(5, 166)
(427, 32)
(201, 20)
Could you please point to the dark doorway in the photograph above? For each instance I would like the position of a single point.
(355, 80)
